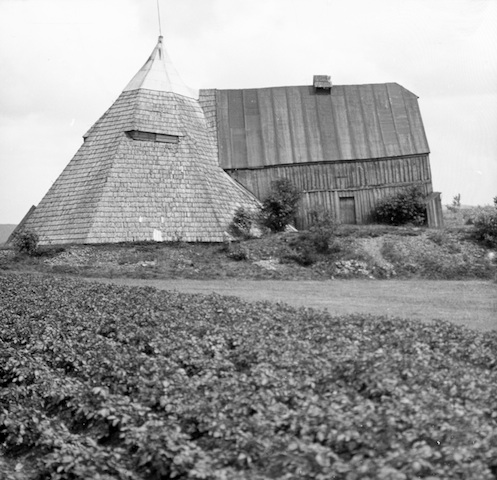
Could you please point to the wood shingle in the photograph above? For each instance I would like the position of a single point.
(134, 187)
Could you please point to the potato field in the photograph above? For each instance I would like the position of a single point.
(107, 382)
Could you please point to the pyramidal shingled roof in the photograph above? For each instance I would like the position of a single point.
(159, 74)
(147, 170)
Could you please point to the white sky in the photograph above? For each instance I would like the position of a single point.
(64, 62)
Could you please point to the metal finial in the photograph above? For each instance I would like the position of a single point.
(158, 15)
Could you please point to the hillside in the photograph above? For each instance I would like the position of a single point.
(5, 231)
(378, 252)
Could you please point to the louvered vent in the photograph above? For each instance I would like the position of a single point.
(152, 137)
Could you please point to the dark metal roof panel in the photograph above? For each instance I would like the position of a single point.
(288, 125)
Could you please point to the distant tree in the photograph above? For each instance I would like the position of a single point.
(456, 203)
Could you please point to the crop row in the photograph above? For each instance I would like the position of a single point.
(107, 382)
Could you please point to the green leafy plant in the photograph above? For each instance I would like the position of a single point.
(280, 206)
(485, 227)
(404, 207)
(103, 381)
(26, 242)
(439, 237)
(322, 230)
(303, 255)
(310, 246)
(238, 253)
(242, 223)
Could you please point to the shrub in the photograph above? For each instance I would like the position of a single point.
(242, 223)
(304, 256)
(438, 237)
(485, 225)
(238, 253)
(280, 206)
(403, 207)
(26, 242)
(322, 230)
(309, 245)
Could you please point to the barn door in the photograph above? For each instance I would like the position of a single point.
(347, 210)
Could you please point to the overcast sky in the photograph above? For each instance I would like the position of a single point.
(64, 62)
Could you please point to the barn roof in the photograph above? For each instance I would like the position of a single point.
(288, 125)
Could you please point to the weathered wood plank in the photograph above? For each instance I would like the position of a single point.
(284, 140)
(371, 122)
(342, 126)
(415, 123)
(255, 148)
(267, 127)
(356, 122)
(237, 128)
(297, 124)
(224, 133)
(313, 134)
(402, 125)
(329, 141)
(385, 118)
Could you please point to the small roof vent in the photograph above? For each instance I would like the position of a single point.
(322, 83)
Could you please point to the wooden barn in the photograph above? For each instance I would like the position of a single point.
(344, 146)
(166, 163)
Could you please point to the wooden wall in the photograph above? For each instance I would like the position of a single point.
(365, 201)
(323, 184)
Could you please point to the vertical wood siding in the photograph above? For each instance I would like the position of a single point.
(365, 202)
(323, 183)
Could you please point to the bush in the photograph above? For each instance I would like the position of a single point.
(439, 237)
(304, 256)
(242, 223)
(322, 230)
(403, 207)
(238, 253)
(280, 206)
(26, 242)
(309, 246)
(485, 224)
